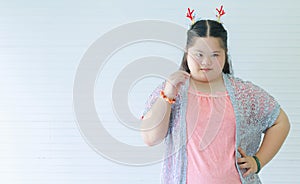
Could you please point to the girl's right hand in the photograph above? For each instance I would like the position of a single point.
(174, 82)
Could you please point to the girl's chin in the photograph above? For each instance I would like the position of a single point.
(203, 78)
(200, 78)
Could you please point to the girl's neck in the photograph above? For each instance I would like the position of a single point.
(216, 85)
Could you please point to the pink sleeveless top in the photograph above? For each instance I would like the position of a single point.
(211, 139)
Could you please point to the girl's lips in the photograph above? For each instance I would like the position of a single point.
(205, 69)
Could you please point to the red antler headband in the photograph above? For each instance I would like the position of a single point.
(190, 15)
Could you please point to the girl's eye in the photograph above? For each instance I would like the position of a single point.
(215, 55)
(199, 55)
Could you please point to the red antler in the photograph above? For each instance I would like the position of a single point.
(189, 14)
(221, 11)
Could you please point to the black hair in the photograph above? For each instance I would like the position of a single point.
(206, 28)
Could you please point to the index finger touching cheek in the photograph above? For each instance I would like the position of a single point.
(185, 73)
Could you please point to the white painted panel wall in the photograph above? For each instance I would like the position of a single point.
(42, 43)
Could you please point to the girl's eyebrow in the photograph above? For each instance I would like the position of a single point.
(197, 50)
(216, 51)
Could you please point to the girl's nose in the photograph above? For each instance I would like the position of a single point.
(205, 62)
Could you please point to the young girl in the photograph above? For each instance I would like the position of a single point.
(211, 121)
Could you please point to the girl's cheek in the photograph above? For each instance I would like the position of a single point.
(191, 63)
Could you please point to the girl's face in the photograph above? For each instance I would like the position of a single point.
(206, 59)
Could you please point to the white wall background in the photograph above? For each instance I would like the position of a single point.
(42, 42)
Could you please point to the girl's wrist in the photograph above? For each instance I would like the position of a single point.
(257, 164)
(169, 92)
(166, 97)
(169, 95)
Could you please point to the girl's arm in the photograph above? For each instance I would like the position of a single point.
(273, 139)
(155, 123)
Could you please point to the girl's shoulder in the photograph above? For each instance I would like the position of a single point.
(238, 81)
(245, 86)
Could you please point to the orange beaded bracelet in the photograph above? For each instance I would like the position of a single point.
(162, 94)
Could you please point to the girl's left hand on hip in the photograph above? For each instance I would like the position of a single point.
(247, 162)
